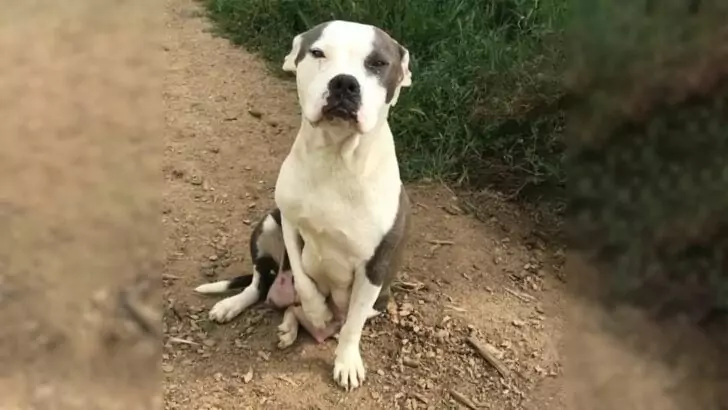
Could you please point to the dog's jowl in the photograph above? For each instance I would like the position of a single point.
(344, 211)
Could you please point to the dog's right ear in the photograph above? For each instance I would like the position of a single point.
(289, 62)
(300, 46)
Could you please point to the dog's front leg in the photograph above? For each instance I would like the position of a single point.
(313, 302)
(349, 370)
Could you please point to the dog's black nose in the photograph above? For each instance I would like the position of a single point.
(344, 85)
(344, 98)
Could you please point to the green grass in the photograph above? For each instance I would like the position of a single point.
(485, 101)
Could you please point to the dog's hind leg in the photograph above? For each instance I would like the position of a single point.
(288, 329)
(228, 308)
(222, 286)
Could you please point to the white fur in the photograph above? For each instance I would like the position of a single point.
(228, 308)
(345, 45)
(339, 189)
(269, 224)
(314, 306)
(348, 367)
(407, 80)
(288, 329)
(220, 286)
(289, 62)
(270, 240)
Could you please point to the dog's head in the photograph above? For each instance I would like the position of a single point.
(347, 74)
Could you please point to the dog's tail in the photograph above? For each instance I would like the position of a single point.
(222, 286)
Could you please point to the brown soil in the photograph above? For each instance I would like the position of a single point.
(230, 124)
(82, 244)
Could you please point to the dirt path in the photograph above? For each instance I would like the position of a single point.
(230, 124)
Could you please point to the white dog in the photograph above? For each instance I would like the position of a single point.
(344, 211)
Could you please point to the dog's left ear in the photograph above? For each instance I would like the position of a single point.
(289, 62)
(406, 73)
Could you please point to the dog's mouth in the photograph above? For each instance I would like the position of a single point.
(340, 110)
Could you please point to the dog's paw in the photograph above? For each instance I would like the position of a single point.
(226, 309)
(287, 334)
(288, 329)
(317, 313)
(349, 371)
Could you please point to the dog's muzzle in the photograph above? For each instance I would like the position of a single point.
(344, 98)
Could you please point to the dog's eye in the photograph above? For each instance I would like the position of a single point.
(377, 63)
(316, 53)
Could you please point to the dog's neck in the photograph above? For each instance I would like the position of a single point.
(345, 145)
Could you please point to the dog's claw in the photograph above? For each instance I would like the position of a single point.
(349, 371)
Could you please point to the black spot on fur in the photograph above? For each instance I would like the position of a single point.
(267, 267)
(240, 282)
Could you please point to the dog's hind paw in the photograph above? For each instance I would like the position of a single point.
(288, 329)
(286, 339)
(227, 309)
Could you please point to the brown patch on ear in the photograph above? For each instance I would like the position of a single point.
(396, 73)
(307, 40)
(383, 266)
(301, 45)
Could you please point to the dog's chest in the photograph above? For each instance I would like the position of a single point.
(335, 211)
